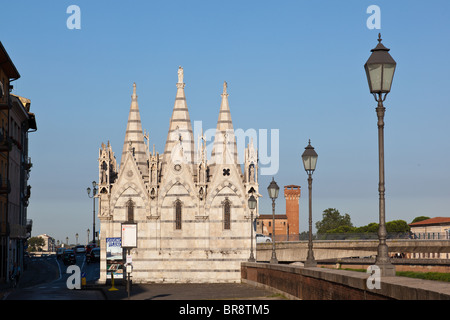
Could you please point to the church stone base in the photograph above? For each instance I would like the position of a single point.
(205, 266)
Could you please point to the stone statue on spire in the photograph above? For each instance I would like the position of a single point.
(225, 86)
(180, 74)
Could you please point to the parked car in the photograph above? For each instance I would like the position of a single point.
(59, 252)
(260, 238)
(93, 256)
(90, 246)
(69, 257)
(79, 249)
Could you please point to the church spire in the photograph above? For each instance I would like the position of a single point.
(134, 138)
(225, 148)
(180, 139)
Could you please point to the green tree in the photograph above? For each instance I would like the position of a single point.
(421, 218)
(332, 219)
(397, 226)
(343, 229)
(370, 228)
(35, 243)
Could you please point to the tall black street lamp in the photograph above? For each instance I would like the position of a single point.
(273, 194)
(94, 192)
(380, 69)
(252, 205)
(309, 158)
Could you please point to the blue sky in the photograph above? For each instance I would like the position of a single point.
(295, 66)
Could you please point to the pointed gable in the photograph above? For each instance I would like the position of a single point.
(129, 184)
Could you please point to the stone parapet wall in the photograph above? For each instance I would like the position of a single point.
(327, 284)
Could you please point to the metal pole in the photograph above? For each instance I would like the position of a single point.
(382, 261)
(93, 218)
(128, 278)
(274, 256)
(310, 261)
(252, 258)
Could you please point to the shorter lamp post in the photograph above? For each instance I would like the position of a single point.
(88, 231)
(76, 237)
(252, 205)
(309, 158)
(273, 194)
(94, 192)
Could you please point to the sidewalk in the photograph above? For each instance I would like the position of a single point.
(191, 291)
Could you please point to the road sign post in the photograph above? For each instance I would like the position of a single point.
(129, 241)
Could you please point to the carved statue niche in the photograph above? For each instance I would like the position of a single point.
(154, 173)
(153, 193)
(201, 174)
(251, 173)
(104, 175)
(201, 193)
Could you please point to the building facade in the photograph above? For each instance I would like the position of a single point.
(191, 214)
(8, 73)
(264, 225)
(16, 122)
(431, 229)
(49, 243)
(437, 228)
(21, 123)
(286, 225)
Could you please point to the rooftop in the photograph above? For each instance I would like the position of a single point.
(432, 221)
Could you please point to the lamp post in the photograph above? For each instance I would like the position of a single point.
(273, 194)
(88, 231)
(309, 158)
(94, 192)
(380, 69)
(76, 237)
(252, 205)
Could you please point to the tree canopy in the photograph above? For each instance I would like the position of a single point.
(421, 218)
(332, 219)
(35, 244)
(333, 222)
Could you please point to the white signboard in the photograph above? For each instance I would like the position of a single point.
(129, 235)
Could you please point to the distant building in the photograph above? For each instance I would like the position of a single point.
(292, 196)
(16, 121)
(431, 229)
(50, 245)
(286, 225)
(264, 225)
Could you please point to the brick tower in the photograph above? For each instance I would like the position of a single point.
(292, 195)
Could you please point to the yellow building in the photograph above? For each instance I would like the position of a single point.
(437, 228)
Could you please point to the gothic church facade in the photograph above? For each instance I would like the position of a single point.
(191, 212)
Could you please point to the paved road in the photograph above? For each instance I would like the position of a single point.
(46, 279)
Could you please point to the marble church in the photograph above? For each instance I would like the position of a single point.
(190, 210)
